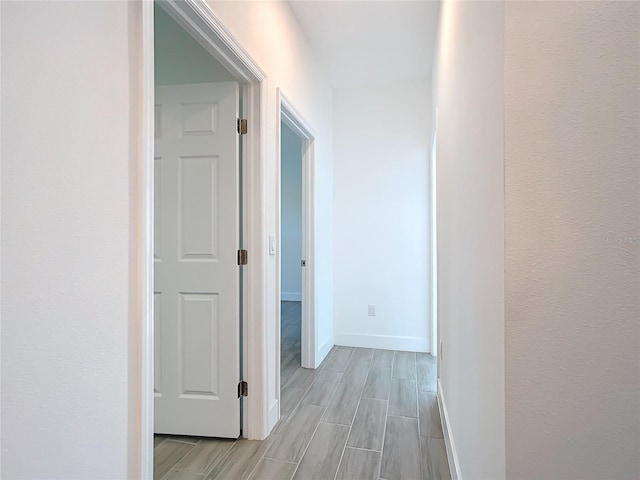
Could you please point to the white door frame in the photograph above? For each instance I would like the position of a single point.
(436, 349)
(197, 18)
(288, 115)
(435, 331)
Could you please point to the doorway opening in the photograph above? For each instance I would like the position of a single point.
(197, 291)
(296, 285)
(292, 261)
(192, 110)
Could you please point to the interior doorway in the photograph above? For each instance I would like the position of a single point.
(296, 283)
(291, 258)
(197, 119)
(197, 291)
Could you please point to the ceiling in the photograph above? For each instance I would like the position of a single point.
(366, 43)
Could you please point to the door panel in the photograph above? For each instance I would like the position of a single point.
(199, 223)
(199, 322)
(196, 273)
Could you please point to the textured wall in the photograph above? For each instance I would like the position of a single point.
(381, 216)
(470, 229)
(572, 259)
(66, 169)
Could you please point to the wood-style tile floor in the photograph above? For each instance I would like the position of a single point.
(363, 414)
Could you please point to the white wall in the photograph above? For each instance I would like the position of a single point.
(381, 216)
(70, 344)
(271, 35)
(291, 217)
(470, 229)
(68, 159)
(572, 218)
(539, 261)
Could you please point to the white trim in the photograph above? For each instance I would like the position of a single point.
(385, 342)
(291, 117)
(145, 247)
(254, 280)
(1, 255)
(274, 414)
(291, 297)
(452, 454)
(206, 28)
(324, 350)
(433, 232)
(197, 18)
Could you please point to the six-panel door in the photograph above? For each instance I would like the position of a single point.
(196, 273)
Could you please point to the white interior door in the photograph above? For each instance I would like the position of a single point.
(197, 287)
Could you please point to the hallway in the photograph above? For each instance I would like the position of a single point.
(290, 335)
(363, 414)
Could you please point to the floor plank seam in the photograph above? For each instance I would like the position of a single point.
(403, 416)
(256, 466)
(308, 443)
(365, 449)
(300, 402)
(173, 467)
(221, 456)
(277, 460)
(386, 417)
(314, 431)
(180, 441)
(346, 440)
(420, 452)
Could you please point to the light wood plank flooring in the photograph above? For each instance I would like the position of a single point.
(290, 336)
(363, 414)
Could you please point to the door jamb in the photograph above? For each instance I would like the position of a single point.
(434, 327)
(290, 117)
(197, 18)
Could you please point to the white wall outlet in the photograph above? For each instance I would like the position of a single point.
(372, 310)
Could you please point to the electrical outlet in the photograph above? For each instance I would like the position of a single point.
(372, 310)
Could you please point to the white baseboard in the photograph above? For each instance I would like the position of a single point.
(274, 415)
(452, 454)
(385, 342)
(323, 351)
(290, 297)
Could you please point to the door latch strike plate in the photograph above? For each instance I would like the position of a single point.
(243, 257)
